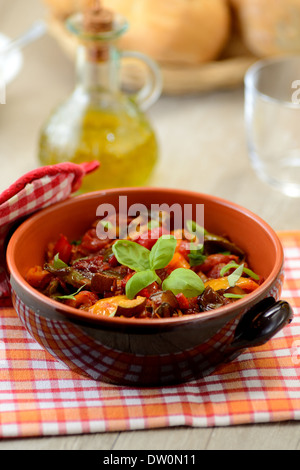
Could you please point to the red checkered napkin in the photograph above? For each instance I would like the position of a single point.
(34, 191)
(40, 397)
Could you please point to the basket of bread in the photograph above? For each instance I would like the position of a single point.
(200, 45)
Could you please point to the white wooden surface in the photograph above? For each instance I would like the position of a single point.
(203, 148)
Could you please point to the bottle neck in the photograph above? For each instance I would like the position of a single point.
(97, 74)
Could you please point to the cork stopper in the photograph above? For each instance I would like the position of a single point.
(97, 19)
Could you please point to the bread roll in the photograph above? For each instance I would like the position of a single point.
(270, 27)
(170, 31)
(175, 31)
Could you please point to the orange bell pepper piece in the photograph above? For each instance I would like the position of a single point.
(178, 261)
(84, 299)
(247, 284)
(38, 277)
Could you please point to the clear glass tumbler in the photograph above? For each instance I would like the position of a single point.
(272, 114)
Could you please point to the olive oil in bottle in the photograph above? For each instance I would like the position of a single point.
(99, 121)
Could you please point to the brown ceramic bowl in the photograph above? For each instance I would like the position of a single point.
(149, 352)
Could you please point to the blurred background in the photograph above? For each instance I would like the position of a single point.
(203, 48)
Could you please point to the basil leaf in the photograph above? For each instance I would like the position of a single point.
(251, 274)
(196, 259)
(234, 296)
(71, 296)
(195, 229)
(184, 281)
(106, 224)
(196, 256)
(232, 264)
(139, 281)
(227, 268)
(235, 276)
(132, 255)
(162, 252)
(58, 263)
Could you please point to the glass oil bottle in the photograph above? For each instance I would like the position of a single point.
(99, 121)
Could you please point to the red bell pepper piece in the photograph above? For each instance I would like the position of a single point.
(126, 279)
(148, 291)
(213, 260)
(183, 301)
(91, 243)
(63, 248)
(184, 248)
(113, 262)
(149, 238)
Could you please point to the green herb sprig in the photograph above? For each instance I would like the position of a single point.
(234, 296)
(235, 276)
(196, 255)
(146, 263)
(233, 264)
(184, 281)
(58, 263)
(71, 296)
(195, 229)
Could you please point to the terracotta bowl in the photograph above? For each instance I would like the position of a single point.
(149, 352)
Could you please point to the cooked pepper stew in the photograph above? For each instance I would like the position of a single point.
(153, 273)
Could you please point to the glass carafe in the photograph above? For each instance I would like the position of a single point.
(99, 121)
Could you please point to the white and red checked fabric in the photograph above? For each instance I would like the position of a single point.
(36, 190)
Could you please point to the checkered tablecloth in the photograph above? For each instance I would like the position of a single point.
(40, 397)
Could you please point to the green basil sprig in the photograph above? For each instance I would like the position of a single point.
(195, 229)
(234, 296)
(71, 296)
(235, 276)
(233, 264)
(196, 255)
(184, 281)
(140, 281)
(146, 263)
(58, 263)
(162, 252)
(132, 255)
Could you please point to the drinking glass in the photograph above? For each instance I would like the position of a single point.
(272, 114)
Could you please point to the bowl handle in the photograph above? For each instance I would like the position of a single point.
(261, 323)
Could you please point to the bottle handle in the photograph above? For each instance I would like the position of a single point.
(151, 91)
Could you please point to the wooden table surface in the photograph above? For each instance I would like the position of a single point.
(203, 148)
